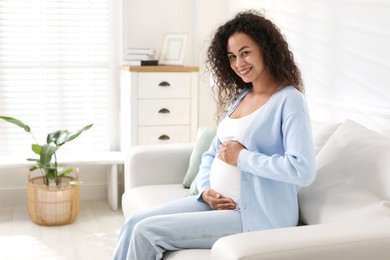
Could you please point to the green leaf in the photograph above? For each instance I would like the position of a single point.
(33, 168)
(75, 134)
(36, 148)
(62, 138)
(16, 122)
(67, 171)
(47, 153)
(56, 137)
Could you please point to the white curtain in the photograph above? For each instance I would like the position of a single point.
(57, 71)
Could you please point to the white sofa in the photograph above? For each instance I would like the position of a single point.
(346, 210)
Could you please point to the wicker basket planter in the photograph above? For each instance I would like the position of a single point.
(52, 205)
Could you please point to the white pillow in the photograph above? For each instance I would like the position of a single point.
(322, 132)
(353, 178)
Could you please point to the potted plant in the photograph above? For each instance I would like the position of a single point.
(53, 197)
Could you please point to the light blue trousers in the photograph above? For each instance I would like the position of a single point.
(184, 223)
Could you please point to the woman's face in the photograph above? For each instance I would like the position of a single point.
(246, 58)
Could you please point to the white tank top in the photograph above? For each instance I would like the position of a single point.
(225, 178)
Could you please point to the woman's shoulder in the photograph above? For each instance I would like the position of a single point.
(290, 98)
(289, 93)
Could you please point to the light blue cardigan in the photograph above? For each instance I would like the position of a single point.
(279, 158)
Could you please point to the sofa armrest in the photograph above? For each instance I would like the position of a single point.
(367, 239)
(156, 164)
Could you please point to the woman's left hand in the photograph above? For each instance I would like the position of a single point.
(228, 151)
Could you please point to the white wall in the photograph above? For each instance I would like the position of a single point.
(242, 5)
(147, 21)
(13, 184)
(209, 15)
(342, 48)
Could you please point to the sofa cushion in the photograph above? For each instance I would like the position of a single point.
(143, 197)
(204, 138)
(322, 132)
(353, 179)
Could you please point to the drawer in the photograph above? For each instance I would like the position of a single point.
(164, 85)
(163, 135)
(164, 112)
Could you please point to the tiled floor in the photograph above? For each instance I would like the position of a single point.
(92, 236)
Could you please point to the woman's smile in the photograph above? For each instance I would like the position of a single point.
(244, 72)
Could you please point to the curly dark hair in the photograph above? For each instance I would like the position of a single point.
(277, 56)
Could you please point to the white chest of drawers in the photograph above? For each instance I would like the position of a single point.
(159, 104)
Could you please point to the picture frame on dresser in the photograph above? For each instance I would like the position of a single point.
(173, 49)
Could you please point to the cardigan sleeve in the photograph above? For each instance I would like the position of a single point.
(203, 182)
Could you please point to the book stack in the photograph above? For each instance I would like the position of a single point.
(139, 57)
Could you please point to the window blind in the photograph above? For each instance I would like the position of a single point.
(55, 71)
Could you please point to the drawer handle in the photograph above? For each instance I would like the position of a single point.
(164, 84)
(164, 137)
(164, 111)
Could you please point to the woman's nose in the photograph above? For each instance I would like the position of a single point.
(240, 61)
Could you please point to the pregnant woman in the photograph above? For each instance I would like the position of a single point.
(263, 152)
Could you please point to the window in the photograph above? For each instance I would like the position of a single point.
(56, 71)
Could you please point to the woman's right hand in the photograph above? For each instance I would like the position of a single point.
(217, 201)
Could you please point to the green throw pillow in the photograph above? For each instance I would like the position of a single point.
(204, 138)
(194, 187)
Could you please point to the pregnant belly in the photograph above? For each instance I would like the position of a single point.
(225, 179)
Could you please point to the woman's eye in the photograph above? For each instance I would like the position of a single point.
(245, 53)
(231, 57)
